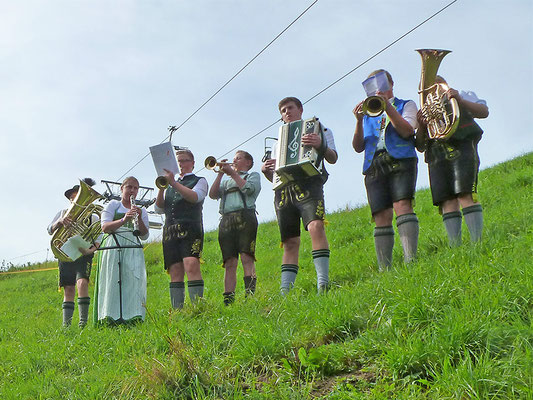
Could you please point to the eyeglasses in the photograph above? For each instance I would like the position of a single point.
(182, 161)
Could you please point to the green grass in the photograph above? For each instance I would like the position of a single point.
(456, 324)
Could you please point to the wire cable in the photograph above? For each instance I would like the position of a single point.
(347, 74)
(305, 102)
(380, 51)
(225, 84)
(26, 255)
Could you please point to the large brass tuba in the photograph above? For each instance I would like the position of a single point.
(80, 212)
(441, 113)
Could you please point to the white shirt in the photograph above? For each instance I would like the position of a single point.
(200, 189)
(114, 206)
(471, 96)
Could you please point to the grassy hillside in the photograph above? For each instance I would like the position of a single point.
(454, 325)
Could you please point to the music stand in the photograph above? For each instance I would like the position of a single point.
(144, 200)
(131, 244)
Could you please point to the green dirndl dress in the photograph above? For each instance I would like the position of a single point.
(120, 283)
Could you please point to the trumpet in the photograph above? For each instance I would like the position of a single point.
(161, 182)
(214, 165)
(373, 106)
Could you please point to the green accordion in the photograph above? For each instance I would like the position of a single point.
(294, 160)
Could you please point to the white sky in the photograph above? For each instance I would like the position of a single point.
(87, 86)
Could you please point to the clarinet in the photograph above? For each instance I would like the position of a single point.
(136, 230)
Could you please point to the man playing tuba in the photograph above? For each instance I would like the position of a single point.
(75, 273)
(454, 166)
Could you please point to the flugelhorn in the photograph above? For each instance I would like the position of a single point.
(441, 113)
(214, 165)
(373, 106)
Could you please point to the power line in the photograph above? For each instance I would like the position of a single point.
(225, 84)
(26, 255)
(305, 102)
(380, 51)
(348, 73)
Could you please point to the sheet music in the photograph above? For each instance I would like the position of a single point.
(71, 247)
(164, 157)
(376, 82)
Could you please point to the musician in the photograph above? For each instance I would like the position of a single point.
(454, 166)
(183, 233)
(120, 290)
(390, 170)
(237, 231)
(74, 274)
(302, 199)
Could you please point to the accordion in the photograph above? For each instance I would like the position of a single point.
(294, 160)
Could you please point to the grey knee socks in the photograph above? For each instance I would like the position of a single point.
(384, 242)
(321, 261)
(407, 225)
(68, 311)
(177, 294)
(288, 276)
(452, 222)
(196, 290)
(83, 310)
(474, 221)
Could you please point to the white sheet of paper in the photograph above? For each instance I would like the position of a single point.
(376, 82)
(71, 247)
(164, 158)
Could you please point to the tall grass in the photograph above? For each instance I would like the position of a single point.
(456, 324)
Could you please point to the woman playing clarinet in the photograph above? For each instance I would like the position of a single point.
(120, 288)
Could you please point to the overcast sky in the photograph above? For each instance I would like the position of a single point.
(87, 86)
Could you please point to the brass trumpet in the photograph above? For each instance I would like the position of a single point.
(212, 164)
(373, 106)
(161, 182)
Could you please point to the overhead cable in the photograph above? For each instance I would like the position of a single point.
(174, 128)
(347, 74)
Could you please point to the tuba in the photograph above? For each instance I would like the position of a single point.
(442, 114)
(80, 212)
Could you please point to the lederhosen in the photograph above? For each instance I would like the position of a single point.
(454, 163)
(301, 199)
(390, 175)
(71, 271)
(183, 233)
(237, 230)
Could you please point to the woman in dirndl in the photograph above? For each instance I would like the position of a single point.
(120, 285)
